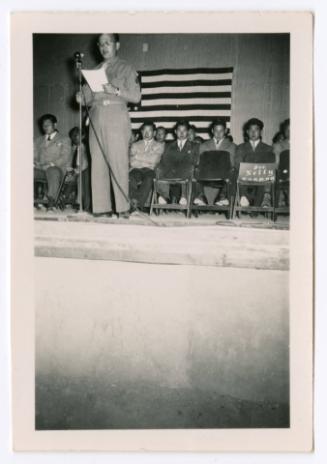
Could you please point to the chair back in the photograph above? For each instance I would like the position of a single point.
(284, 166)
(260, 157)
(178, 171)
(257, 173)
(214, 165)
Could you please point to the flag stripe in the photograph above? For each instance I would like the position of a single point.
(177, 108)
(199, 82)
(199, 130)
(200, 125)
(187, 89)
(181, 113)
(187, 102)
(186, 77)
(178, 118)
(155, 96)
(159, 72)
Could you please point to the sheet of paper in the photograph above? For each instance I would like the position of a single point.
(96, 78)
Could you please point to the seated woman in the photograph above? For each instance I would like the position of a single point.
(179, 156)
(52, 157)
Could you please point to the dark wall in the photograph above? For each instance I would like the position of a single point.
(260, 84)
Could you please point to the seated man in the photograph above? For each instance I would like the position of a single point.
(161, 134)
(284, 144)
(254, 151)
(52, 157)
(192, 137)
(179, 155)
(145, 155)
(278, 148)
(218, 142)
(86, 178)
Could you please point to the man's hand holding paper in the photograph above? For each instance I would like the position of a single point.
(96, 78)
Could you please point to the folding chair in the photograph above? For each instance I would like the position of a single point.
(215, 166)
(183, 177)
(40, 190)
(255, 175)
(67, 192)
(283, 182)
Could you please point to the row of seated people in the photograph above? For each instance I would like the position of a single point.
(55, 154)
(151, 154)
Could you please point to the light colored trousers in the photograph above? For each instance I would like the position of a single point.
(113, 128)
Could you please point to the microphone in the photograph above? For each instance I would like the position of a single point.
(78, 56)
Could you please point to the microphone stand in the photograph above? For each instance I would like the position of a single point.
(78, 64)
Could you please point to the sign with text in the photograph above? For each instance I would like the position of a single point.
(257, 173)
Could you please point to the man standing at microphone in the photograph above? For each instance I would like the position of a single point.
(110, 130)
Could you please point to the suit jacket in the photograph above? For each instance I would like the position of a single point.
(245, 154)
(225, 145)
(176, 163)
(122, 75)
(57, 151)
(146, 157)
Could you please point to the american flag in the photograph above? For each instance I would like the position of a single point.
(198, 95)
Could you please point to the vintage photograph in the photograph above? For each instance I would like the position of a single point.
(162, 258)
(189, 133)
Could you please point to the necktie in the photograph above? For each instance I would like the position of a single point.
(49, 138)
(180, 145)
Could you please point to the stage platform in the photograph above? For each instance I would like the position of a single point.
(181, 323)
(209, 240)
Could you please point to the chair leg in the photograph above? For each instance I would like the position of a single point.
(236, 201)
(274, 198)
(228, 214)
(154, 193)
(189, 198)
(231, 208)
(62, 183)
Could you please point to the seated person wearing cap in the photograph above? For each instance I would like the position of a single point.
(254, 151)
(145, 155)
(52, 157)
(179, 155)
(218, 142)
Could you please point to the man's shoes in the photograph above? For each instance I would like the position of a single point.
(124, 215)
(106, 214)
(266, 202)
(199, 202)
(51, 207)
(161, 200)
(183, 201)
(41, 207)
(244, 202)
(223, 202)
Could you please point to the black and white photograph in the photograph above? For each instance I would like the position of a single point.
(161, 207)
(174, 132)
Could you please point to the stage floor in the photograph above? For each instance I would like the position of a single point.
(169, 219)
